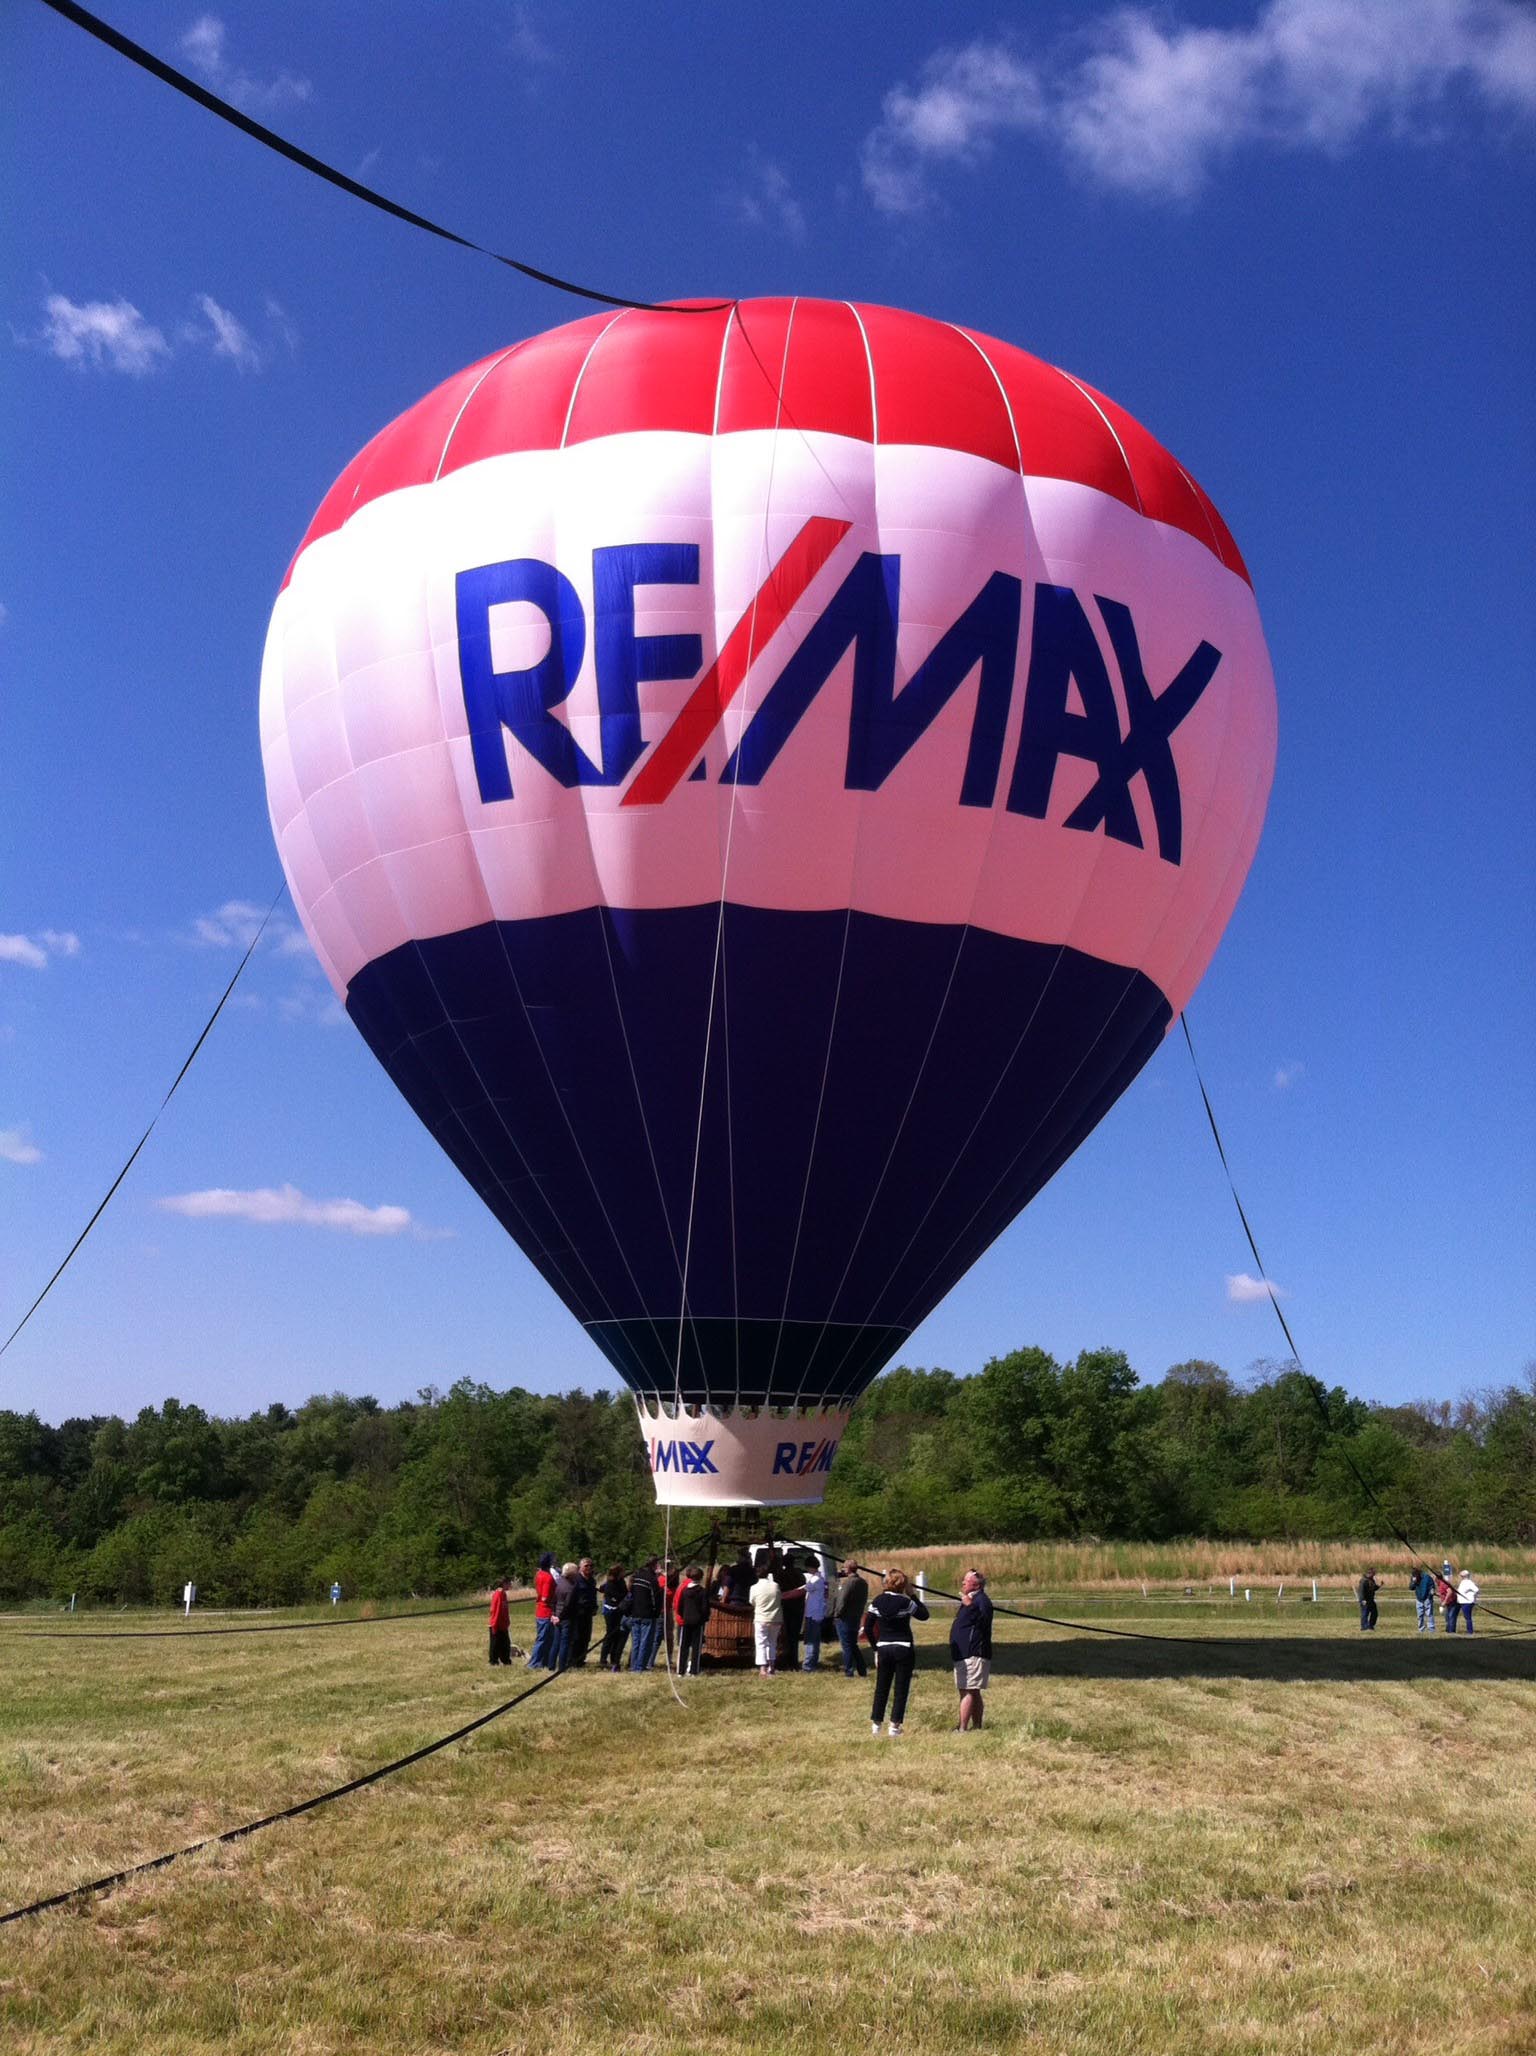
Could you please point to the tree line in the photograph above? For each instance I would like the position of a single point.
(443, 1492)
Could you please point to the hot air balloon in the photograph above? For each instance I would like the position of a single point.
(763, 780)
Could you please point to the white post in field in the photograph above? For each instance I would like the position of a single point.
(188, 1594)
(1248, 1592)
(1314, 1591)
(1231, 1588)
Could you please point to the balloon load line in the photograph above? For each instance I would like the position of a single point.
(157, 67)
(374, 1620)
(1520, 1626)
(268, 1820)
(165, 1102)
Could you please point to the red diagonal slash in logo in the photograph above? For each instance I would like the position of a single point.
(679, 749)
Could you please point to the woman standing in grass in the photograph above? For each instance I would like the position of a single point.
(1467, 1589)
(890, 1619)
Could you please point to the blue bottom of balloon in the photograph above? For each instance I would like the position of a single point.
(881, 1099)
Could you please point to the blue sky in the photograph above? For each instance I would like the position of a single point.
(1293, 238)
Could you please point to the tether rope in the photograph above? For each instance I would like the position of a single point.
(146, 60)
(1228, 1642)
(128, 1166)
(1524, 1627)
(251, 1827)
(376, 1620)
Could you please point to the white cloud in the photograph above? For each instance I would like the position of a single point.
(112, 335)
(203, 48)
(768, 201)
(285, 1205)
(231, 338)
(1286, 1075)
(1146, 104)
(526, 43)
(104, 335)
(235, 925)
(1243, 1290)
(967, 98)
(15, 1148)
(35, 951)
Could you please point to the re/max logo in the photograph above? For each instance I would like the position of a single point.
(797, 1458)
(682, 1456)
(884, 723)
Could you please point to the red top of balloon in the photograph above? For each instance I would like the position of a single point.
(872, 373)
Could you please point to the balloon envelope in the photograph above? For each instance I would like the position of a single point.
(763, 782)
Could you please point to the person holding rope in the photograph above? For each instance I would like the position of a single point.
(889, 1621)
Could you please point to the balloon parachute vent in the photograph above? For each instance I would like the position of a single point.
(740, 1456)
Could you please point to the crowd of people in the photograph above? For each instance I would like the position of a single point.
(792, 1603)
(1454, 1592)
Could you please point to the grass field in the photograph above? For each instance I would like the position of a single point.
(1299, 1840)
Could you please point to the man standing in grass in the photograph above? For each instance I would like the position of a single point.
(1366, 1592)
(970, 1648)
(542, 1654)
(583, 1611)
(501, 1630)
(1423, 1588)
(851, 1602)
(815, 1615)
(644, 1606)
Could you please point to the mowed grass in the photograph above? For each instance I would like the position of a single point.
(1299, 1840)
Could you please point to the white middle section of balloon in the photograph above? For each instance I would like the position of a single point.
(372, 785)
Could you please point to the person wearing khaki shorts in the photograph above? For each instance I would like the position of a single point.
(970, 1649)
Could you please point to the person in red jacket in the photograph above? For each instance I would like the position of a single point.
(501, 1623)
(546, 1629)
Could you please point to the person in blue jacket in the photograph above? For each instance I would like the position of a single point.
(1422, 1585)
(970, 1648)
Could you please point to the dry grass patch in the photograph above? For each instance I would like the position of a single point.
(1277, 1844)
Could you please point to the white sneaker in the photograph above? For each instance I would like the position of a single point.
(895, 1729)
(874, 1729)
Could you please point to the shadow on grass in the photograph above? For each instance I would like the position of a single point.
(1292, 1659)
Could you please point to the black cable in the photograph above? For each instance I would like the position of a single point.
(127, 1167)
(168, 74)
(372, 1777)
(1227, 1642)
(433, 1613)
(1285, 1328)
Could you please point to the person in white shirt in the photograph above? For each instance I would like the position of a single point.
(767, 1597)
(1466, 1592)
(817, 1601)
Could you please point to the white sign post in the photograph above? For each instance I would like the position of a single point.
(188, 1594)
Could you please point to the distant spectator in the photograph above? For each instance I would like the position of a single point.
(742, 1577)
(545, 1633)
(1365, 1592)
(817, 1604)
(692, 1609)
(501, 1623)
(852, 1599)
(970, 1648)
(891, 1616)
(1445, 1591)
(1422, 1585)
(1466, 1592)
(565, 1619)
(612, 1594)
(644, 1606)
(767, 1597)
(583, 1611)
